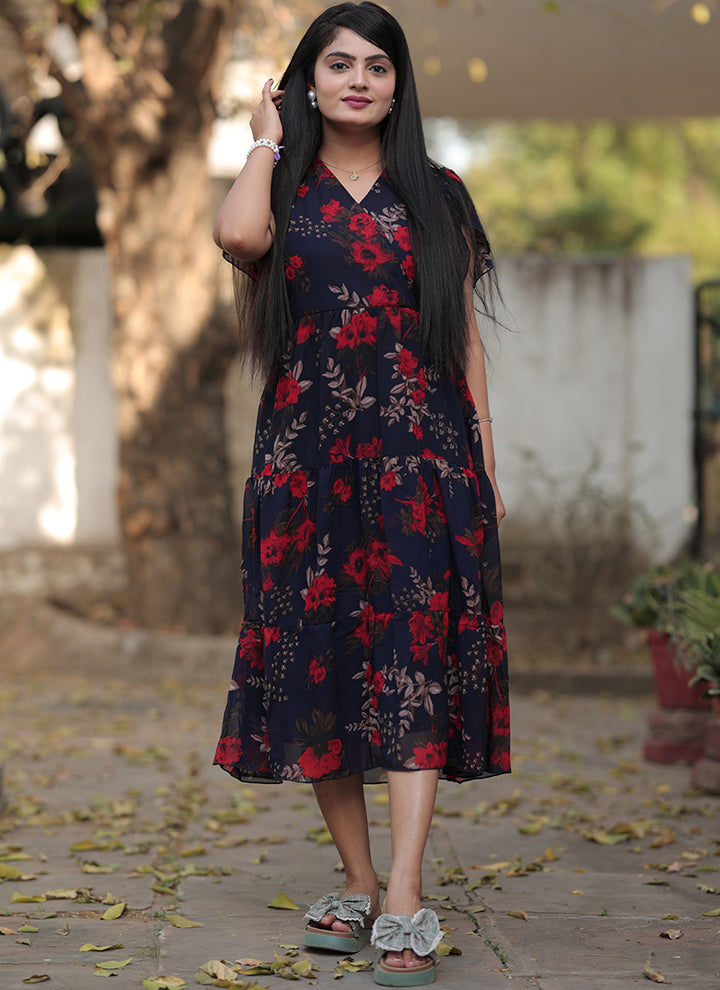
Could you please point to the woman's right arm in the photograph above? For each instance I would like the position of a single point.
(244, 225)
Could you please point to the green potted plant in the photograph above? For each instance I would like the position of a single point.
(650, 607)
(697, 632)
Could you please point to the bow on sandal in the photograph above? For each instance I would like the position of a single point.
(394, 932)
(353, 909)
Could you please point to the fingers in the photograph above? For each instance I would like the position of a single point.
(266, 97)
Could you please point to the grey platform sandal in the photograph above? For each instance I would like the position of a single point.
(354, 910)
(420, 932)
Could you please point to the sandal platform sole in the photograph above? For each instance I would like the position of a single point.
(320, 938)
(389, 976)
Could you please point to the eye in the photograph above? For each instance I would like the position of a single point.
(381, 70)
(338, 65)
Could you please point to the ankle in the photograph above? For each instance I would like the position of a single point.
(366, 883)
(403, 895)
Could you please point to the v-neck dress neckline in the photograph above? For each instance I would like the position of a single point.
(358, 202)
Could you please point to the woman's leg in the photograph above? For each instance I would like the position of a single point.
(412, 800)
(342, 803)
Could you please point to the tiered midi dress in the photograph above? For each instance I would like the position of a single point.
(373, 635)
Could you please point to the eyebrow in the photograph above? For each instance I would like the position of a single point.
(353, 58)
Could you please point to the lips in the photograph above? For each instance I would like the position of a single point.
(356, 101)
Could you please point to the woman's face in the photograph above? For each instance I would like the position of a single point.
(354, 81)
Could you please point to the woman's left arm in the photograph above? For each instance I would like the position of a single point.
(476, 377)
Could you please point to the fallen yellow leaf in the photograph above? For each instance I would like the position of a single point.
(521, 915)
(283, 903)
(89, 947)
(653, 974)
(177, 921)
(164, 983)
(665, 838)
(114, 912)
(114, 963)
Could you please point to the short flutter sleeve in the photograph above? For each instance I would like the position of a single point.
(247, 267)
(467, 219)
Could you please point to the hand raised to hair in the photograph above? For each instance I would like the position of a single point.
(265, 120)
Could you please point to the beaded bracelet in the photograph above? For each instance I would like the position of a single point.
(266, 143)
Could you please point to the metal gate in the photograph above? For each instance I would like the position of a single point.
(707, 418)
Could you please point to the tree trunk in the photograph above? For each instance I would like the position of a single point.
(171, 357)
(143, 107)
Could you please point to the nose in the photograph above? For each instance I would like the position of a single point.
(359, 80)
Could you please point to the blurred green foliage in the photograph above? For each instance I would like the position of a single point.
(645, 188)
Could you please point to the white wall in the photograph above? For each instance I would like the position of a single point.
(598, 362)
(58, 448)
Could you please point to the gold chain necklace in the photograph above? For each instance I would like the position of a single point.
(355, 172)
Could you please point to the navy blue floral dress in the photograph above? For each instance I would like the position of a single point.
(373, 634)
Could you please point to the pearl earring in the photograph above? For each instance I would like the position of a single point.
(391, 105)
(311, 95)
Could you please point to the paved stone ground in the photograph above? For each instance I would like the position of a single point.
(111, 798)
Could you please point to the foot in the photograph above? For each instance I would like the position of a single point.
(405, 900)
(369, 886)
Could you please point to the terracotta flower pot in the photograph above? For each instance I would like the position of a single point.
(671, 678)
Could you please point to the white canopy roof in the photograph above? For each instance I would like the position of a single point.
(579, 59)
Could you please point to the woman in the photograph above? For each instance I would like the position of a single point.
(373, 644)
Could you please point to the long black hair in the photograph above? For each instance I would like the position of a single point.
(443, 256)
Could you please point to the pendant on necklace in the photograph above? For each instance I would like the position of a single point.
(354, 175)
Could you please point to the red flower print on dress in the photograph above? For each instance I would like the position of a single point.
(407, 362)
(382, 296)
(422, 628)
(229, 750)
(402, 236)
(408, 266)
(320, 594)
(356, 567)
(369, 255)
(430, 757)
(271, 634)
(379, 558)
(305, 329)
(273, 548)
(500, 720)
(340, 450)
(302, 191)
(439, 602)
(342, 490)
(470, 622)
(303, 535)
(364, 225)
(250, 645)
(418, 396)
(362, 329)
(317, 671)
(298, 484)
(372, 449)
(287, 392)
(418, 431)
(293, 265)
(331, 211)
(388, 481)
(314, 766)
